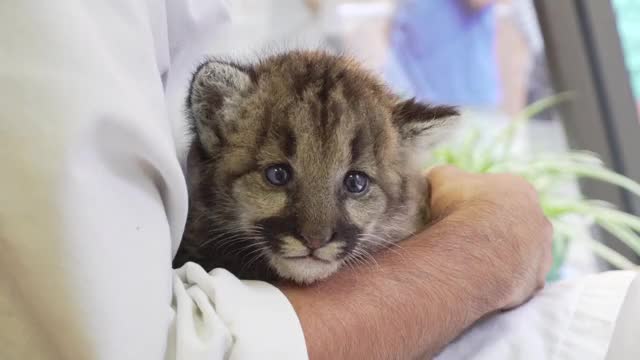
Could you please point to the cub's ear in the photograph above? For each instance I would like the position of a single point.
(422, 124)
(213, 85)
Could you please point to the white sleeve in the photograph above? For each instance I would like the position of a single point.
(219, 316)
(93, 199)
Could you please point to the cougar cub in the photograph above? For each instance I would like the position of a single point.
(299, 164)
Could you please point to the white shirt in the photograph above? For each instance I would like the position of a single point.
(93, 199)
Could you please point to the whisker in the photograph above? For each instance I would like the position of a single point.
(261, 253)
(368, 256)
(257, 247)
(221, 242)
(381, 240)
(219, 236)
(231, 234)
(383, 243)
(249, 246)
(348, 261)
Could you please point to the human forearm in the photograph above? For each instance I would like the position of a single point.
(406, 305)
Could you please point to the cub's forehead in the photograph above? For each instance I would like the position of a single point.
(319, 109)
(307, 74)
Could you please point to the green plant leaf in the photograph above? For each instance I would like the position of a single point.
(626, 235)
(609, 255)
(547, 172)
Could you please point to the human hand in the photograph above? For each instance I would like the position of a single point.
(513, 254)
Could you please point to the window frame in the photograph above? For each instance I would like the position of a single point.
(585, 56)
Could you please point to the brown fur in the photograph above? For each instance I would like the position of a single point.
(322, 116)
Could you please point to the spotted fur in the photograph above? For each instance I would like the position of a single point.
(321, 115)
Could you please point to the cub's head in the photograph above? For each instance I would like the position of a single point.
(302, 162)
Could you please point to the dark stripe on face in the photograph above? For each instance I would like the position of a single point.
(302, 80)
(396, 201)
(346, 232)
(287, 140)
(263, 133)
(402, 198)
(382, 141)
(336, 107)
(315, 109)
(336, 110)
(348, 91)
(276, 227)
(323, 97)
(357, 145)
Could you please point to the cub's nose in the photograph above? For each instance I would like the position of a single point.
(316, 241)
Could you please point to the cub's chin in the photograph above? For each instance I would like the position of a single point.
(303, 269)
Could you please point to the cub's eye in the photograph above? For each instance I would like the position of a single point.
(278, 175)
(356, 182)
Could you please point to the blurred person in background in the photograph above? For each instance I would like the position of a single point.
(445, 52)
(537, 79)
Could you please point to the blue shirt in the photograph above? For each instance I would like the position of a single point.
(447, 52)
